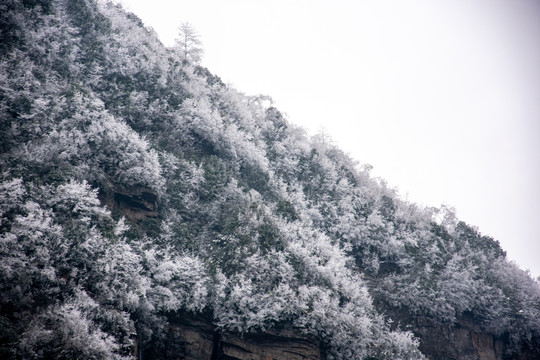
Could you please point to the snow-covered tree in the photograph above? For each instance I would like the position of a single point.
(188, 43)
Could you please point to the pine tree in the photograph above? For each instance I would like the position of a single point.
(189, 44)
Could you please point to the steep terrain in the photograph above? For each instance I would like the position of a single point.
(147, 210)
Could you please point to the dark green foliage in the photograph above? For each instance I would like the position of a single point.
(478, 242)
(211, 79)
(151, 227)
(277, 130)
(255, 178)
(269, 237)
(216, 175)
(286, 209)
(387, 208)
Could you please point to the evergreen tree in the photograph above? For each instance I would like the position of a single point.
(188, 44)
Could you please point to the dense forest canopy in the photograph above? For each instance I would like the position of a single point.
(135, 184)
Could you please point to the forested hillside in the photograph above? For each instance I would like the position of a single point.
(136, 188)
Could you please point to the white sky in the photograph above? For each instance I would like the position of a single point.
(441, 97)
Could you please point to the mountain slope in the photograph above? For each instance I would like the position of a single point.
(137, 189)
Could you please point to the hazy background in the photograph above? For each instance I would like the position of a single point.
(441, 97)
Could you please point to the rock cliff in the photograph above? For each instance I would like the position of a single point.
(464, 341)
(135, 203)
(195, 338)
(192, 338)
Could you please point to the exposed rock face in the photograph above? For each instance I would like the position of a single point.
(465, 341)
(267, 347)
(190, 339)
(135, 203)
(195, 339)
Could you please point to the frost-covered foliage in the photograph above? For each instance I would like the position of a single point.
(69, 331)
(179, 283)
(260, 227)
(51, 241)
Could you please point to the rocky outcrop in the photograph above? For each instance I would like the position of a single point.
(191, 338)
(267, 347)
(135, 203)
(464, 341)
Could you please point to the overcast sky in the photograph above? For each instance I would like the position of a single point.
(442, 98)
